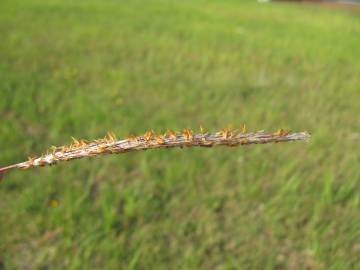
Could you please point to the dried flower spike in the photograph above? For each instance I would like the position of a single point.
(111, 145)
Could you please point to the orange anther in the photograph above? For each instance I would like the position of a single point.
(188, 133)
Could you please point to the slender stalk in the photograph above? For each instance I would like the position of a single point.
(150, 140)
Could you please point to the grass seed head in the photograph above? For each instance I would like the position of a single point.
(110, 144)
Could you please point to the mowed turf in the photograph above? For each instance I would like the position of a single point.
(82, 68)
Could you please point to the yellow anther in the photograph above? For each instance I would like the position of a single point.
(243, 128)
(111, 136)
(149, 135)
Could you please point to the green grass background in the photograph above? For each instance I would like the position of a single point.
(81, 68)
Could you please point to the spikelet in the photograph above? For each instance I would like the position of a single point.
(281, 132)
(225, 133)
(170, 134)
(187, 133)
(131, 137)
(160, 139)
(76, 142)
(31, 159)
(202, 130)
(149, 135)
(110, 137)
(80, 148)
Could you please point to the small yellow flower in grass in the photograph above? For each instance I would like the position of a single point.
(54, 203)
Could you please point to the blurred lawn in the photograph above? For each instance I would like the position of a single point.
(82, 68)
